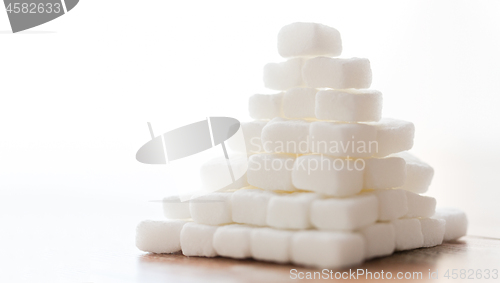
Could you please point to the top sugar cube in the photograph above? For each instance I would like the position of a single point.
(309, 39)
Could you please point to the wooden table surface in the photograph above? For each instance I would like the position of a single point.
(87, 238)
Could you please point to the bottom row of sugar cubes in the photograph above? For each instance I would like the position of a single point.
(456, 222)
(197, 240)
(433, 231)
(309, 247)
(271, 244)
(324, 249)
(233, 241)
(159, 236)
(380, 239)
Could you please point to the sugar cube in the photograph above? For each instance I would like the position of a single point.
(393, 136)
(324, 249)
(173, 208)
(384, 173)
(215, 174)
(251, 133)
(159, 236)
(271, 171)
(286, 136)
(212, 209)
(433, 231)
(233, 241)
(249, 206)
(380, 239)
(309, 39)
(271, 244)
(299, 103)
(326, 175)
(284, 75)
(420, 206)
(344, 213)
(392, 204)
(408, 234)
(266, 106)
(352, 105)
(197, 240)
(290, 211)
(342, 140)
(337, 73)
(456, 222)
(418, 173)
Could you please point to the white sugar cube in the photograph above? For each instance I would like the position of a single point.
(161, 236)
(290, 211)
(380, 239)
(323, 249)
(418, 174)
(337, 73)
(233, 241)
(392, 204)
(377, 139)
(420, 206)
(299, 103)
(456, 222)
(309, 39)
(271, 244)
(408, 234)
(325, 175)
(433, 231)
(215, 174)
(265, 106)
(212, 209)
(286, 136)
(173, 208)
(271, 171)
(197, 240)
(393, 136)
(342, 140)
(284, 75)
(353, 105)
(251, 133)
(384, 173)
(249, 206)
(344, 213)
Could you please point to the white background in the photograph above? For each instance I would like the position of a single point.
(76, 94)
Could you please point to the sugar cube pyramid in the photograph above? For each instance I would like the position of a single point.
(329, 182)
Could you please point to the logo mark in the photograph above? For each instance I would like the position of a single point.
(195, 138)
(25, 14)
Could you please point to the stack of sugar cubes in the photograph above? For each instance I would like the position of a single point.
(329, 182)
